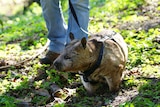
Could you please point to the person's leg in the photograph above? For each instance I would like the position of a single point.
(55, 24)
(56, 28)
(81, 8)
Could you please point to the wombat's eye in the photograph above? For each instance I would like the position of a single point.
(67, 57)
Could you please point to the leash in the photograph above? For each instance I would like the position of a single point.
(76, 18)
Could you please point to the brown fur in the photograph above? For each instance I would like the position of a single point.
(80, 55)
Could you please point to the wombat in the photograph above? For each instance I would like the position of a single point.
(101, 58)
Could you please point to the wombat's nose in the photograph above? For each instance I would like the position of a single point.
(57, 65)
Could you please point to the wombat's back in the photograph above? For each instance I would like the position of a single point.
(110, 34)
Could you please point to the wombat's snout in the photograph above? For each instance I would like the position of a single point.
(57, 65)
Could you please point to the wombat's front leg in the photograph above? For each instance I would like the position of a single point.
(91, 88)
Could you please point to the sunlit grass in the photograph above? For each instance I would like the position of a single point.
(24, 34)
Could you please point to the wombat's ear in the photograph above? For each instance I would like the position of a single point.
(83, 42)
(71, 36)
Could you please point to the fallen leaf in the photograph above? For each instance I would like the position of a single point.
(56, 90)
(58, 100)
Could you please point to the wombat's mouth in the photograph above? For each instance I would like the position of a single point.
(60, 67)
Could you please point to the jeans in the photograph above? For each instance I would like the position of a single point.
(58, 31)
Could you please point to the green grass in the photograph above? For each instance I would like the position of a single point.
(23, 35)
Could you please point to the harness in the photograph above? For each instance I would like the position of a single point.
(89, 71)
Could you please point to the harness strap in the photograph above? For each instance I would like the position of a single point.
(89, 71)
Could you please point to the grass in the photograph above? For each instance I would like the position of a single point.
(23, 35)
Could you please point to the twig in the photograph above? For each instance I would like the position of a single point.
(32, 58)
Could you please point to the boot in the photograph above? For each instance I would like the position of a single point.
(49, 58)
